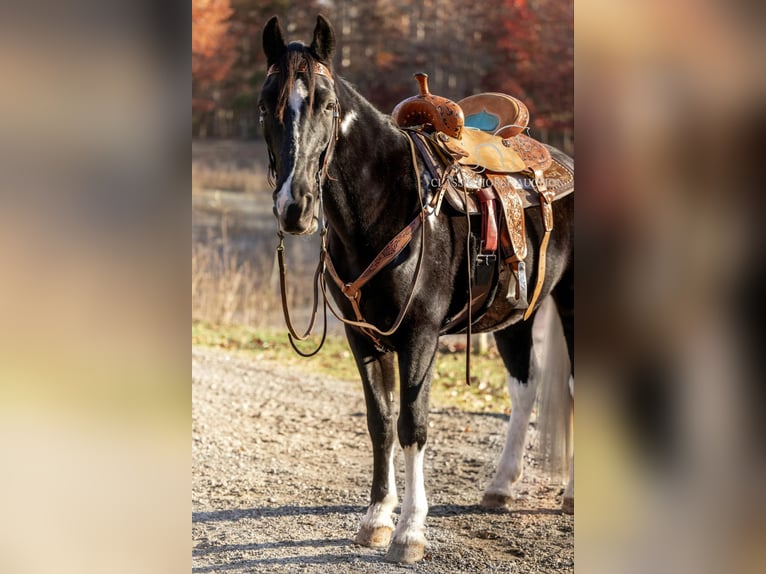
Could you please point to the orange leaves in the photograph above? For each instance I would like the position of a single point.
(385, 59)
(212, 48)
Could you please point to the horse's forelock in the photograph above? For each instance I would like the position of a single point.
(287, 72)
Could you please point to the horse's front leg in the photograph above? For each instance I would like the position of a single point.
(416, 364)
(378, 379)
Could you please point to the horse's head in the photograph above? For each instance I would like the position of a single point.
(299, 113)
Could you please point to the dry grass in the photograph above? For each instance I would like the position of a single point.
(227, 178)
(227, 288)
(221, 165)
(223, 288)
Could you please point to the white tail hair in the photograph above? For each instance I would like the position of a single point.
(555, 403)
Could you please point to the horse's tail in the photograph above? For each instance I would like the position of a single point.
(555, 403)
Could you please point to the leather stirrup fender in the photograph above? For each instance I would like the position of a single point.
(546, 201)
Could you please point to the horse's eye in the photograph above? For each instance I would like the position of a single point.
(262, 108)
(330, 106)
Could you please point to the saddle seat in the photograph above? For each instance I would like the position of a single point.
(481, 131)
(505, 118)
(479, 149)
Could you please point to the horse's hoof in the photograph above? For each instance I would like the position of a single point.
(495, 500)
(405, 553)
(567, 506)
(378, 537)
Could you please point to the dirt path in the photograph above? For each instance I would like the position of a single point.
(281, 471)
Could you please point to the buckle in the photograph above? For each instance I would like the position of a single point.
(486, 258)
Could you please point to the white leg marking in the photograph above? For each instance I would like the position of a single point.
(379, 514)
(569, 490)
(511, 460)
(411, 526)
(295, 101)
(348, 119)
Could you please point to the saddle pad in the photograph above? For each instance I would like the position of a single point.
(480, 149)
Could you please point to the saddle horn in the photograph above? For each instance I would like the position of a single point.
(425, 108)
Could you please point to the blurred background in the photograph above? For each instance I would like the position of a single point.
(670, 428)
(520, 47)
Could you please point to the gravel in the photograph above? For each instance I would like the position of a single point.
(281, 467)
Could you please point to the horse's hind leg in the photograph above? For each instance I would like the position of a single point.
(378, 379)
(514, 344)
(563, 294)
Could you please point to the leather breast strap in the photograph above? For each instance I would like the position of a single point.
(394, 247)
(353, 290)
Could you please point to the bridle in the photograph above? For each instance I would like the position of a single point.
(321, 176)
(351, 290)
(325, 157)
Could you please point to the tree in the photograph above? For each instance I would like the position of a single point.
(212, 50)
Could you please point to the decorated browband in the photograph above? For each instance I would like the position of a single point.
(318, 68)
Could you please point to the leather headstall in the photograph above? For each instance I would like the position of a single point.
(318, 68)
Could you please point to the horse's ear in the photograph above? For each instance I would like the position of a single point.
(323, 44)
(273, 41)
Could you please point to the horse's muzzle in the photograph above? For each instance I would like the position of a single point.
(298, 217)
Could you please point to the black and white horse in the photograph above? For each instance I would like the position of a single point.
(323, 137)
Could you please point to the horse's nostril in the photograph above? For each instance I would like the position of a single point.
(274, 211)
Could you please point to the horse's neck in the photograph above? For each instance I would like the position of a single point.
(372, 194)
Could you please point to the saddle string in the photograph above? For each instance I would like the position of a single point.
(470, 287)
(525, 129)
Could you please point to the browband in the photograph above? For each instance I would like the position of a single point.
(318, 68)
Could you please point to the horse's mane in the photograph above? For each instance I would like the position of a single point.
(295, 55)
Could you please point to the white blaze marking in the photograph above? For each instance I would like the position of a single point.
(512, 459)
(295, 101)
(348, 119)
(411, 526)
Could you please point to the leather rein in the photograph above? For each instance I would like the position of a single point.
(351, 290)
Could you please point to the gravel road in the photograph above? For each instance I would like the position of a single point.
(281, 467)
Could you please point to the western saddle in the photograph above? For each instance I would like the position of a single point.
(486, 166)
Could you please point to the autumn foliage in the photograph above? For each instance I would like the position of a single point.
(521, 47)
(212, 49)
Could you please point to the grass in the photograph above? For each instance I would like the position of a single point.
(226, 289)
(229, 165)
(487, 392)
